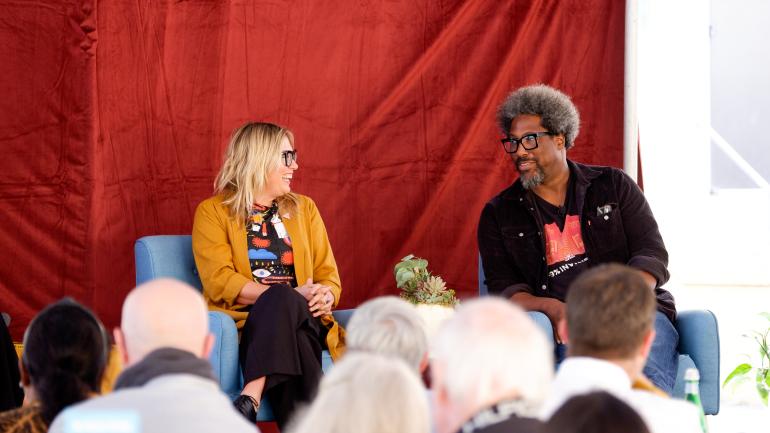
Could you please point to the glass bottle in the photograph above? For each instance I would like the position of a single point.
(692, 394)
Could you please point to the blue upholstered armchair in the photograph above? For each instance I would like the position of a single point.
(171, 256)
(698, 347)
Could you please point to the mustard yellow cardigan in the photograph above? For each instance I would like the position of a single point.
(220, 250)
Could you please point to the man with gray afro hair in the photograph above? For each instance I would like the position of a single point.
(556, 110)
(561, 217)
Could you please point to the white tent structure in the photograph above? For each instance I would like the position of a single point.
(696, 83)
(676, 70)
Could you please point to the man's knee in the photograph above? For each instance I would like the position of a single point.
(666, 335)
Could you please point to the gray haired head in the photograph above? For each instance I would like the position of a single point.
(557, 112)
(388, 326)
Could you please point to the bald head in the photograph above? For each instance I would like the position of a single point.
(163, 313)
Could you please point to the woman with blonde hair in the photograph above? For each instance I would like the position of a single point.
(367, 393)
(264, 258)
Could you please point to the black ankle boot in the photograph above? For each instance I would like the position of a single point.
(247, 406)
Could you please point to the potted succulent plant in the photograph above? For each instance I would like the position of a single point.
(434, 302)
(761, 371)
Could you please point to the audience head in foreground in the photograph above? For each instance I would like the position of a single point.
(366, 393)
(596, 412)
(610, 316)
(610, 330)
(389, 326)
(168, 384)
(163, 314)
(65, 353)
(489, 362)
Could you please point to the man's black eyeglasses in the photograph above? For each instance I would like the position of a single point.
(529, 141)
(288, 157)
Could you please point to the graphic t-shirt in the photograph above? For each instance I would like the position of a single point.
(565, 253)
(270, 253)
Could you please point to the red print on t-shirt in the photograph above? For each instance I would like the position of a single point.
(563, 245)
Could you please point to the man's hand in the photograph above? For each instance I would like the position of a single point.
(649, 279)
(556, 311)
(553, 308)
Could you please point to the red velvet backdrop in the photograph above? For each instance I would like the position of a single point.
(114, 116)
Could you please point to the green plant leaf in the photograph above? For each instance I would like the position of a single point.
(765, 315)
(403, 275)
(762, 392)
(761, 340)
(738, 371)
(419, 286)
(412, 264)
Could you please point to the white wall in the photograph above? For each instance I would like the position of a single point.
(740, 69)
(721, 238)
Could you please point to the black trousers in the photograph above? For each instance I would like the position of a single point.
(282, 341)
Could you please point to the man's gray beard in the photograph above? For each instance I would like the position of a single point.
(533, 180)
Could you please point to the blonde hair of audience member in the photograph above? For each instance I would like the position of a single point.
(366, 393)
(389, 326)
(489, 351)
(253, 152)
(163, 313)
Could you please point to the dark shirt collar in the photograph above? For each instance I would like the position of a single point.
(164, 361)
(496, 414)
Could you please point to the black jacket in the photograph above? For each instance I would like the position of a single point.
(617, 225)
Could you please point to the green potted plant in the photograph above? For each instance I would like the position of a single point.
(433, 300)
(761, 371)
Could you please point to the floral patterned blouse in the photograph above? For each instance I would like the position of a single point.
(270, 253)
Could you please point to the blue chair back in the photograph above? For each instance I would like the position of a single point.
(166, 256)
(699, 348)
(483, 289)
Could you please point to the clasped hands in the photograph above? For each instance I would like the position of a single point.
(319, 297)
